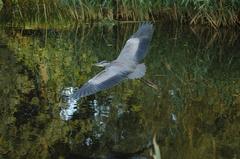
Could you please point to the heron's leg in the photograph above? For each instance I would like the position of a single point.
(149, 83)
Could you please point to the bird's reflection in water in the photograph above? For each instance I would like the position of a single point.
(101, 109)
(100, 113)
(69, 105)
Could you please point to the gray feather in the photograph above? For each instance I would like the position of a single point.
(139, 72)
(92, 88)
(136, 47)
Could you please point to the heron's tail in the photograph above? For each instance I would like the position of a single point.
(139, 72)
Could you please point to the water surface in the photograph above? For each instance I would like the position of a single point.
(191, 99)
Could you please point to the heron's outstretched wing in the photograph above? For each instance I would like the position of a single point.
(136, 47)
(103, 80)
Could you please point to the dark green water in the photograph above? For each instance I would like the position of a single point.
(195, 110)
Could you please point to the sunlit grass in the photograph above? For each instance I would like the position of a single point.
(212, 13)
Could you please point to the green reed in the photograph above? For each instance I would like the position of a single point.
(213, 13)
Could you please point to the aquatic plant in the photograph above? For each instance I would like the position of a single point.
(157, 153)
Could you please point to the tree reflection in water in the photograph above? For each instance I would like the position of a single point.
(195, 113)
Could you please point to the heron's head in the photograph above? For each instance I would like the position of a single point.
(102, 63)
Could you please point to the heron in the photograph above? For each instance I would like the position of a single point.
(127, 65)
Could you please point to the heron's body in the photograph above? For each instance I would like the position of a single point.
(126, 66)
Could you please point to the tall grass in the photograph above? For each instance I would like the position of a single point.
(213, 13)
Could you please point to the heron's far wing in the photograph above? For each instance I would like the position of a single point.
(136, 47)
(103, 80)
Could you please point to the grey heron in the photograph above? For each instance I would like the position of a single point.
(126, 66)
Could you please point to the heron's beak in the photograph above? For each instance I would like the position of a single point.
(98, 65)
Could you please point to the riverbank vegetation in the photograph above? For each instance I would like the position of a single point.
(214, 13)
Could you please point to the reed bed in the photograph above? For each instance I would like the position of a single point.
(206, 12)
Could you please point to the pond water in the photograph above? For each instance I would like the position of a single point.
(189, 98)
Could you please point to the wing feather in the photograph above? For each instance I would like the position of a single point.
(105, 79)
(136, 47)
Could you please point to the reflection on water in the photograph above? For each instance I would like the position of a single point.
(67, 111)
(195, 111)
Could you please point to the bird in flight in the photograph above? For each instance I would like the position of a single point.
(126, 66)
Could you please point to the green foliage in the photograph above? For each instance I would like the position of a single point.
(1, 5)
(212, 13)
(196, 71)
